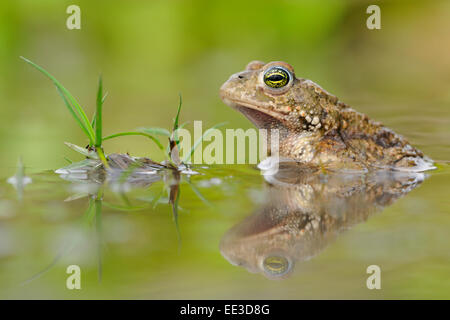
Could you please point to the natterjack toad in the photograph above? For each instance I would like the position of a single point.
(316, 128)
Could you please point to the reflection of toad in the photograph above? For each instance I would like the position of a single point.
(314, 126)
(304, 212)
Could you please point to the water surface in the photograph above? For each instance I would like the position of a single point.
(236, 234)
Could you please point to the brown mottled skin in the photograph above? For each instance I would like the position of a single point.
(315, 127)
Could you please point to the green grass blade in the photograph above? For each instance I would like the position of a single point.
(76, 110)
(94, 116)
(199, 140)
(175, 123)
(135, 133)
(102, 157)
(98, 114)
(182, 125)
(73, 113)
(155, 130)
(95, 113)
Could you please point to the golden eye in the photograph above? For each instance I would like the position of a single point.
(276, 265)
(276, 77)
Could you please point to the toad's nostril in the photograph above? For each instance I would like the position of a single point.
(240, 77)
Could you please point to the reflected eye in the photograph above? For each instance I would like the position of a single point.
(276, 265)
(276, 77)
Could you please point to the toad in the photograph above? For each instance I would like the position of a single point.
(314, 126)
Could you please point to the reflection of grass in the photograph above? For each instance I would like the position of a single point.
(174, 197)
(92, 213)
(91, 220)
(19, 180)
(99, 234)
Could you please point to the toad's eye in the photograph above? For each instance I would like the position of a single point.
(276, 77)
(276, 265)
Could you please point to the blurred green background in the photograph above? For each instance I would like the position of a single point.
(149, 51)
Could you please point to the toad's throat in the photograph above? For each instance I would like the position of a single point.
(263, 119)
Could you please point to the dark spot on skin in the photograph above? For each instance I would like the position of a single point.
(386, 139)
(332, 135)
(240, 77)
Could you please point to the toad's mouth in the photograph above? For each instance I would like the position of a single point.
(263, 119)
